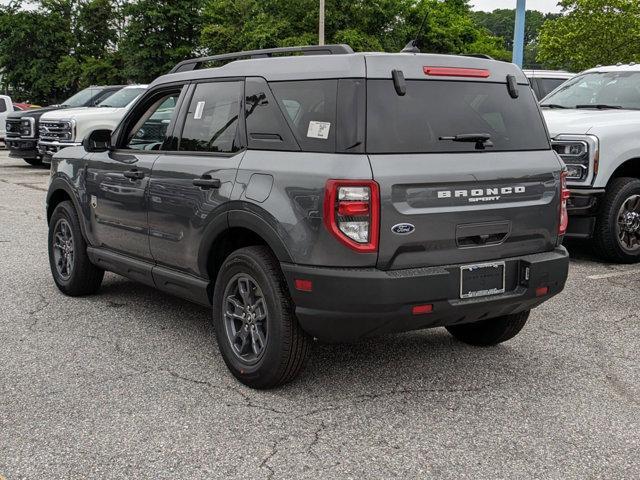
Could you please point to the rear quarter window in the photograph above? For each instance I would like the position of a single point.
(310, 110)
(415, 122)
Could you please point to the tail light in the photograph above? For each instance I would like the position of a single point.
(352, 213)
(564, 196)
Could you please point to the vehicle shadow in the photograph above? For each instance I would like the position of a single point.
(419, 361)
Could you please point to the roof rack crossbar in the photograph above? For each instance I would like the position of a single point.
(195, 63)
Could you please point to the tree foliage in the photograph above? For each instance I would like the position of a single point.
(592, 32)
(501, 23)
(366, 25)
(65, 45)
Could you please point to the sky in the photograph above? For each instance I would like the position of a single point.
(544, 6)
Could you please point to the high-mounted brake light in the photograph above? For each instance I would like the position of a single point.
(456, 72)
(352, 213)
(564, 196)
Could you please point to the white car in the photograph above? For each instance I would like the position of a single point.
(594, 123)
(6, 108)
(543, 82)
(67, 128)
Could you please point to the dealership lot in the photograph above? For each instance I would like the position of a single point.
(129, 384)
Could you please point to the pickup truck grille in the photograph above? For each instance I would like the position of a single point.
(13, 128)
(58, 130)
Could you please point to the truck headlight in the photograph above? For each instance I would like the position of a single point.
(25, 128)
(580, 153)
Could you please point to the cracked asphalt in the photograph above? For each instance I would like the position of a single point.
(129, 384)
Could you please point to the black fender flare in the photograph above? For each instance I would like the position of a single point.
(60, 183)
(256, 220)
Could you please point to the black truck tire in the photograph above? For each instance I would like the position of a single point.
(78, 276)
(492, 331)
(607, 241)
(249, 277)
(34, 162)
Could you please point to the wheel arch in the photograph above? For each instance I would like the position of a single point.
(60, 191)
(628, 168)
(241, 229)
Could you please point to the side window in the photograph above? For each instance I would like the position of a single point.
(150, 131)
(211, 124)
(3, 105)
(267, 128)
(310, 109)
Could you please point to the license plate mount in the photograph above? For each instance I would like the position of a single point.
(482, 280)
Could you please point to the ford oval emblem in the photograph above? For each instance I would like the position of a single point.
(403, 229)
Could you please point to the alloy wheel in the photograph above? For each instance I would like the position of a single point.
(245, 318)
(628, 225)
(63, 249)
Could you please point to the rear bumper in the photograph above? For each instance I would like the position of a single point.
(22, 148)
(583, 208)
(347, 304)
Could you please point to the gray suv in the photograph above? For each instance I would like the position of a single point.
(316, 192)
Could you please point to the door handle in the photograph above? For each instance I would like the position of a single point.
(134, 174)
(205, 182)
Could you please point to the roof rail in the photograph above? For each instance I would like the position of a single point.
(195, 63)
(478, 55)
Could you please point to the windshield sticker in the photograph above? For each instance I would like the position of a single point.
(318, 130)
(199, 110)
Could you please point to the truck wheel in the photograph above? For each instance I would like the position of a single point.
(72, 271)
(617, 232)
(35, 162)
(258, 334)
(491, 331)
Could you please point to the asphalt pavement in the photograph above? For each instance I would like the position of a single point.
(128, 384)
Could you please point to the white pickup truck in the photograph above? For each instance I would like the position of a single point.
(6, 108)
(67, 128)
(594, 123)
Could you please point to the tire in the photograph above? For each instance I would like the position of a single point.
(34, 162)
(285, 346)
(491, 331)
(80, 276)
(607, 242)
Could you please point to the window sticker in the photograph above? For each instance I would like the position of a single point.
(318, 130)
(199, 109)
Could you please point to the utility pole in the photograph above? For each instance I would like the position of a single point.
(321, 24)
(518, 33)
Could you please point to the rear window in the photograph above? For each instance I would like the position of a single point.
(415, 122)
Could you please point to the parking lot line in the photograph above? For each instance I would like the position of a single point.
(613, 274)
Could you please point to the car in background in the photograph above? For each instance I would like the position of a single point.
(594, 120)
(25, 106)
(67, 128)
(543, 82)
(22, 126)
(6, 108)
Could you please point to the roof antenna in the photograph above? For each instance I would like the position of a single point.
(414, 45)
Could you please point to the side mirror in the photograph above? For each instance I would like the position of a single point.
(98, 141)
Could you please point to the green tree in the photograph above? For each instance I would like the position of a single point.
(366, 25)
(591, 32)
(501, 23)
(158, 34)
(32, 43)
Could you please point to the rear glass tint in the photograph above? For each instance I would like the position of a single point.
(310, 109)
(414, 123)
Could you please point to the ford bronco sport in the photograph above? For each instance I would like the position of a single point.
(330, 195)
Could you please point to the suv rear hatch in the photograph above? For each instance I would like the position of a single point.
(465, 169)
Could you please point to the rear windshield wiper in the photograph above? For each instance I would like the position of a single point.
(600, 106)
(482, 140)
(552, 105)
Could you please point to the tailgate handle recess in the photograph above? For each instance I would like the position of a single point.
(482, 234)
